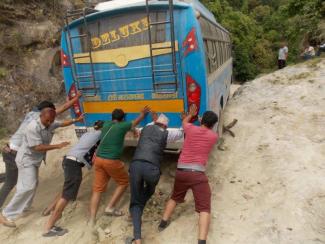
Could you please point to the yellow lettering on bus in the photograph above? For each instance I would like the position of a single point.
(135, 27)
(124, 31)
(114, 36)
(105, 38)
(144, 23)
(96, 42)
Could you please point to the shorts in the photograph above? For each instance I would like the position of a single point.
(72, 179)
(198, 183)
(106, 169)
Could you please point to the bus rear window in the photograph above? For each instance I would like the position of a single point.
(123, 30)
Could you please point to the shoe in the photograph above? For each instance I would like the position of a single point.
(55, 231)
(7, 222)
(129, 240)
(163, 225)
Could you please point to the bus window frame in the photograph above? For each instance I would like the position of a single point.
(220, 40)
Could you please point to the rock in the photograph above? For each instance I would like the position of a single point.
(107, 231)
(101, 234)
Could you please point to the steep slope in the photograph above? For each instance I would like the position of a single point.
(268, 184)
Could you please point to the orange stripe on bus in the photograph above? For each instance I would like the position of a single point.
(162, 106)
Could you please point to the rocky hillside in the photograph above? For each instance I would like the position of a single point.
(30, 57)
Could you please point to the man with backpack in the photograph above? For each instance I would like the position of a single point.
(72, 165)
(108, 162)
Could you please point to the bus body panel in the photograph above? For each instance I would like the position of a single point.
(123, 72)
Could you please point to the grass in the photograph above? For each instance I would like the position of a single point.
(313, 63)
(3, 72)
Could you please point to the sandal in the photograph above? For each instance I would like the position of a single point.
(55, 231)
(114, 212)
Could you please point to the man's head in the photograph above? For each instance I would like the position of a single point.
(47, 116)
(118, 114)
(162, 121)
(45, 104)
(98, 124)
(209, 119)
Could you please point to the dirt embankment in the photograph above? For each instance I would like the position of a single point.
(30, 56)
(268, 184)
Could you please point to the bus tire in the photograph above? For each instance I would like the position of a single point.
(220, 124)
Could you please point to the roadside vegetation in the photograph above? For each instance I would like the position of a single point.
(259, 26)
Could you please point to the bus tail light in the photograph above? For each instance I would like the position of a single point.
(190, 43)
(193, 91)
(65, 62)
(76, 106)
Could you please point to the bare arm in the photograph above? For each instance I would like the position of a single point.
(64, 107)
(71, 121)
(190, 115)
(141, 116)
(45, 148)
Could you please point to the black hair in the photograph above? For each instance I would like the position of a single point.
(45, 104)
(118, 114)
(209, 119)
(98, 124)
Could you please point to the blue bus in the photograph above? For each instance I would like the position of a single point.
(131, 53)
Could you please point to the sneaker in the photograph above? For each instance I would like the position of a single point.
(55, 231)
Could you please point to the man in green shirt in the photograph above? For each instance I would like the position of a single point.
(108, 164)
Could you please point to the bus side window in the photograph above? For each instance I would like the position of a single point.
(216, 44)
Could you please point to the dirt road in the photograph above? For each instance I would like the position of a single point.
(268, 185)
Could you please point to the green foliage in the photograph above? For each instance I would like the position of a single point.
(258, 27)
(3, 72)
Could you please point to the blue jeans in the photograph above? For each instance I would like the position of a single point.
(144, 177)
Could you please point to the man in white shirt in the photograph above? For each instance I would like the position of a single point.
(9, 152)
(283, 55)
(36, 141)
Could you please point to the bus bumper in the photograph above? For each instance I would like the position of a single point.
(132, 141)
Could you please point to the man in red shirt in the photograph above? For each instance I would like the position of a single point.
(190, 174)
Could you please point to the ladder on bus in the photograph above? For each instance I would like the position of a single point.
(79, 78)
(158, 72)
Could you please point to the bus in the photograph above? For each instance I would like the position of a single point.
(131, 53)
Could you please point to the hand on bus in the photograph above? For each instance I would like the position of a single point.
(80, 118)
(146, 110)
(63, 144)
(136, 133)
(193, 110)
(183, 115)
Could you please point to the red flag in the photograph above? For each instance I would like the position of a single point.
(190, 42)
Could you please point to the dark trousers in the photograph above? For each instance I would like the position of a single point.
(281, 63)
(143, 180)
(11, 175)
